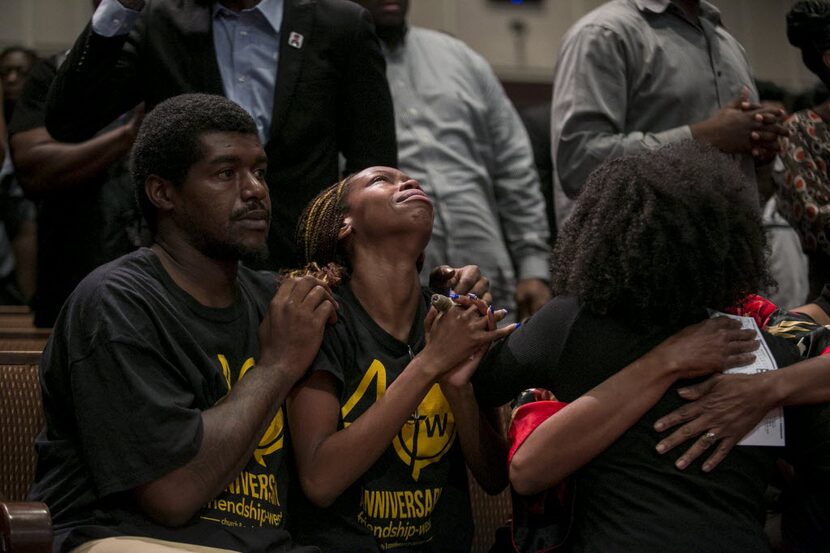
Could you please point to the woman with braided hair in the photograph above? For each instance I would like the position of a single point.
(386, 422)
(804, 186)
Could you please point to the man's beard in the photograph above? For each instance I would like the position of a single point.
(231, 250)
(255, 258)
(228, 249)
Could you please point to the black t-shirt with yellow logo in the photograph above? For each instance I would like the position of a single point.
(133, 362)
(414, 498)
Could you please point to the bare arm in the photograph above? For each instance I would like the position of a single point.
(591, 423)
(480, 433)
(289, 336)
(815, 312)
(46, 166)
(482, 438)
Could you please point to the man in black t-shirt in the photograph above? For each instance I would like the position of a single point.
(167, 369)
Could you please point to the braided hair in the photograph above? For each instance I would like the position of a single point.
(317, 232)
(658, 237)
(808, 29)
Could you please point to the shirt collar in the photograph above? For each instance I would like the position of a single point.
(707, 10)
(271, 10)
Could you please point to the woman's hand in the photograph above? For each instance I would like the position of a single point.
(707, 347)
(464, 280)
(458, 338)
(723, 410)
(459, 376)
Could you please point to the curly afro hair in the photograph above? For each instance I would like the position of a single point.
(657, 238)
(808, 29)
(169, 141)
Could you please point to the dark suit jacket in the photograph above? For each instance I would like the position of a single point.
(331, 94)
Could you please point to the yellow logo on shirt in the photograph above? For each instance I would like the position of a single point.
(273, 438)
(428, 434)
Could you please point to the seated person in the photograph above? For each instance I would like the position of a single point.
(386, 383)
(654, 241)
(391, 381)
(166, 372)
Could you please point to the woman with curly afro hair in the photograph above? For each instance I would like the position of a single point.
(653, 240)
(656, 240)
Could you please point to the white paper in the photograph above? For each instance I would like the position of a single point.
(770, 431)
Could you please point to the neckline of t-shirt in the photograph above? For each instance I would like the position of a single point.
(413, 342)
(214, 314)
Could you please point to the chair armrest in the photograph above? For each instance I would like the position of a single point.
(25, 527)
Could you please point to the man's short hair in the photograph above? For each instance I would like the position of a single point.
(169, 141)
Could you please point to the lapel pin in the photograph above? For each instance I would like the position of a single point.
(295, 39)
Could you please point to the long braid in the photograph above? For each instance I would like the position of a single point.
(317, 233)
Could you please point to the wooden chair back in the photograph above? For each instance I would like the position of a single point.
(21, 418)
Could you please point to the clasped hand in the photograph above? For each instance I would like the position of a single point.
(457, 339)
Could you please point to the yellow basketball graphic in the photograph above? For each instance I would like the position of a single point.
(273, 438)
(428, 434)
(425, 437)
(377, 375)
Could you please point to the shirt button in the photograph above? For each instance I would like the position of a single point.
(413, 111)
(116, 21)
(243, 33)
(241, 78)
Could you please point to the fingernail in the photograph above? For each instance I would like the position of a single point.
(658, 426)
(681, 464)
(518, 325)
(661, 448)
(490, 309)
(707, 467)
(453, 296)
(472, 296)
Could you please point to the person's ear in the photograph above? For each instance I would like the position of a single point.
(160, 192)
(346, 228)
